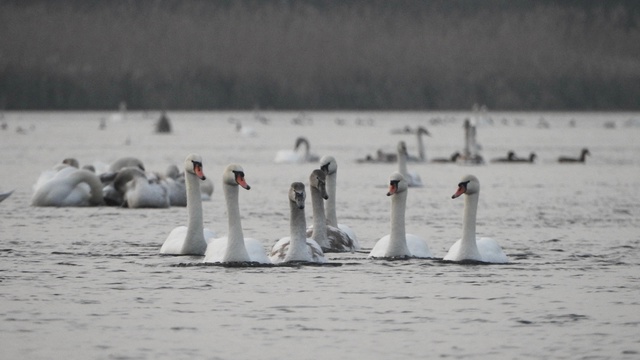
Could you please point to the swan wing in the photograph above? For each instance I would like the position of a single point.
(418, 246)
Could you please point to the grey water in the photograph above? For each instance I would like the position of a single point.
(89, 283)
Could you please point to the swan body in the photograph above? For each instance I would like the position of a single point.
(138, 191)
(329, 165)
(412, 178)
(296, 156)
(67, 186)
(330, 238)
(190, 239)
(398, 243)
(297, 247)
(471, 247)
(234, 247)
(581, 159)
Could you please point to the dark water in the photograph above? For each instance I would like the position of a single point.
(89, 283)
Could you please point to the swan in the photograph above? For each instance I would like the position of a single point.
(138, 191)
(531, 159)
(399, 244)
(67, 186)
(329, 166)
(471, 153)
(454, 157)
(297, 247)
(126, 162)
(412, 178)
(511, 156)
(422, 155)
(190, 239)
(330, 238)
(234, 247)
(471, 247)
(581, 159)
(295, 156)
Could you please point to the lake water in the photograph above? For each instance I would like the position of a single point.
(89, 283)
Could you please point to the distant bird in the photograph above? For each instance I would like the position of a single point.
(163, 126)
(296, 156)
(454, 157)
(413, 179)
(581, 159)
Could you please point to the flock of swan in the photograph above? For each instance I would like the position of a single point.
(309, 244)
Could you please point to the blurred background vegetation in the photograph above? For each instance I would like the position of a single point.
(304, 54)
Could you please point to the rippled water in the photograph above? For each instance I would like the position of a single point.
(89, 283)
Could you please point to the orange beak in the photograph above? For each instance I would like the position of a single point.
(198, 170)
(240, 180)
(461, 190)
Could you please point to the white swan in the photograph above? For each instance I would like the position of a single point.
(297, 247)
(471, 153)
(176, 186)
(190, 239)
(138, 191)
(296, 156)
(330, 238)
(471, 247)
(422, 154)
(413, 179)
(234, 247)
(398, 243)
(67, 186)
(329, 165)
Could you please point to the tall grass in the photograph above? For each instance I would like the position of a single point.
(319, 54)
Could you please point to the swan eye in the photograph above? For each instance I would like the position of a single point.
(325, 168)
(464, 184)
(394, 183)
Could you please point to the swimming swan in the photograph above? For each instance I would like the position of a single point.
(330, 238)
(471, 247)
(296, 156)
(190, 239)
(581, 159)
(398, 243)
(296, 246)
(234, 247)
(329, 166)
(68, 186)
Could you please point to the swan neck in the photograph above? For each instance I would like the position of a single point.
(398, 235)
(469, 221)
(195, 227)
(330, 210)
(421, 150)
(236, 250)
(319, 220)
(402, 164)
(298, 229)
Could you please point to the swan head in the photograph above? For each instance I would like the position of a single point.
(71, 162)
(193, 165)
(297, 194)
(469, 185)
(328, 164)
(301, 140)
(422, 130)
(234, 175)
(585, 151)
(511, 155)
(397, 184)
(318, 180)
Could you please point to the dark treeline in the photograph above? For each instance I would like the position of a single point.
(243, 54)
